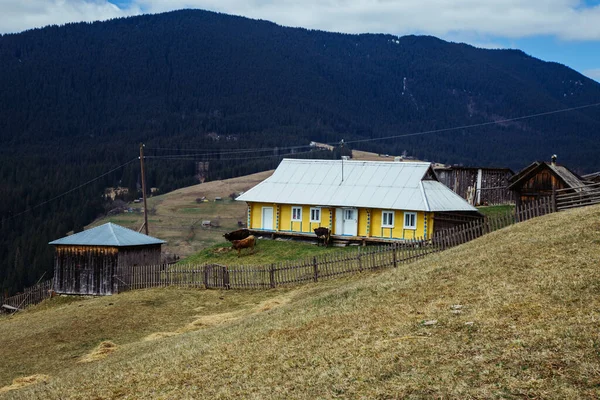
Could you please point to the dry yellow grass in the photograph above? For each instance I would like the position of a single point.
(516, 316)
(20, 383)
(104, 349)
(178, 217)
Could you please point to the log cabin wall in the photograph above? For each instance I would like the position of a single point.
(464, 181)
(133, 256)
(84, 269)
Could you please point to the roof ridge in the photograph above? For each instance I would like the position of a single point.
(427, 208)
(110, 226)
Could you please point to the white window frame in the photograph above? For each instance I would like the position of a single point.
(315, 210)
(383, 219)
(414, 214)
(298, 215)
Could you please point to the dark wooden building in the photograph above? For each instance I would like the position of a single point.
(541, 179)
(478, 185)
(87, 262)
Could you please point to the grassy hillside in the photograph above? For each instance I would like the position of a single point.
(177, 217)
(513, 314)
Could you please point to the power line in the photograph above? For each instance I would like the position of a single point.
(474, 125)
(192, 157)
(74, 189)
(334, 144)
(229, 152)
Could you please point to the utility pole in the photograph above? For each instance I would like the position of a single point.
(144, 186)
(342, 156)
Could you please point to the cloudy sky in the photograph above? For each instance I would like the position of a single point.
(566, 31)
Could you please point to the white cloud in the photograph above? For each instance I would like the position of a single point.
(566, 19)
(593, 74)
(19, 15)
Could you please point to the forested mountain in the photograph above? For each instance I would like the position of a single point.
(76, 100)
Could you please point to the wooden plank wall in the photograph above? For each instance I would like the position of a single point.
(84, 270)
(494, 183)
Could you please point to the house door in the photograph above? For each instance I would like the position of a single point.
(267, 218)
(346, 221)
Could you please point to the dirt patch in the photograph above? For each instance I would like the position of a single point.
(19, 383)
(207, 321)
(159, 335)
(100, 352)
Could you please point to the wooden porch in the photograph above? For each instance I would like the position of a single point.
(335, 239)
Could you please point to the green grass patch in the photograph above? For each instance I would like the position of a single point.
(265, 252)
(496, 211)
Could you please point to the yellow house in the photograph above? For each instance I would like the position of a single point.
(356, 199)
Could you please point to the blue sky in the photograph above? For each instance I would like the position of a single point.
(565, 31)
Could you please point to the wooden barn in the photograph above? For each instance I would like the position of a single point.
(365, 201)
(478, 185)
(542, 179)
(87, 262)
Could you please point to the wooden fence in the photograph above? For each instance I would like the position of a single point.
(321, 267)
(313, 269)
(31, 295)
(577, 197)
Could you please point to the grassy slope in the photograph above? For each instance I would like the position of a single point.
(531, 292)
(265, 252)
(178, 218)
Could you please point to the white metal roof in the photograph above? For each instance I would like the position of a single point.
(369, 184)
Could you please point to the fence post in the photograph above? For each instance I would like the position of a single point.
(395, 257)
(554, 200)
(316, 269)
(272, 275)
(360, 268)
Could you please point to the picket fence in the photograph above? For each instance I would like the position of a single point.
(317, 268)
(32, 295)
(313, 269)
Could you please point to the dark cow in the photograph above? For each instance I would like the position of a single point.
(323, 233)
(240, 234)
(247, 243)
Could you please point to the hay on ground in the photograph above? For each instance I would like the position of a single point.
(19, 383)
(100, 352)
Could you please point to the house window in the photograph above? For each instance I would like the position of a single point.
(349, 214)
(315, 215)
(410, 220)
(387, 219)
(296, 213)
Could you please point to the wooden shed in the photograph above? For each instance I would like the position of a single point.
(478, 185)
(542, 179)
(87, 262)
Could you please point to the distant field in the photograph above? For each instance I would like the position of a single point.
(177, 217)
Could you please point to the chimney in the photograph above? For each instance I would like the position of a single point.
(553, 160)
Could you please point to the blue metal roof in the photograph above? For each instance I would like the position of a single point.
(108, 235)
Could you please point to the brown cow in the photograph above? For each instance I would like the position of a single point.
(249, 242)
(323, 233)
